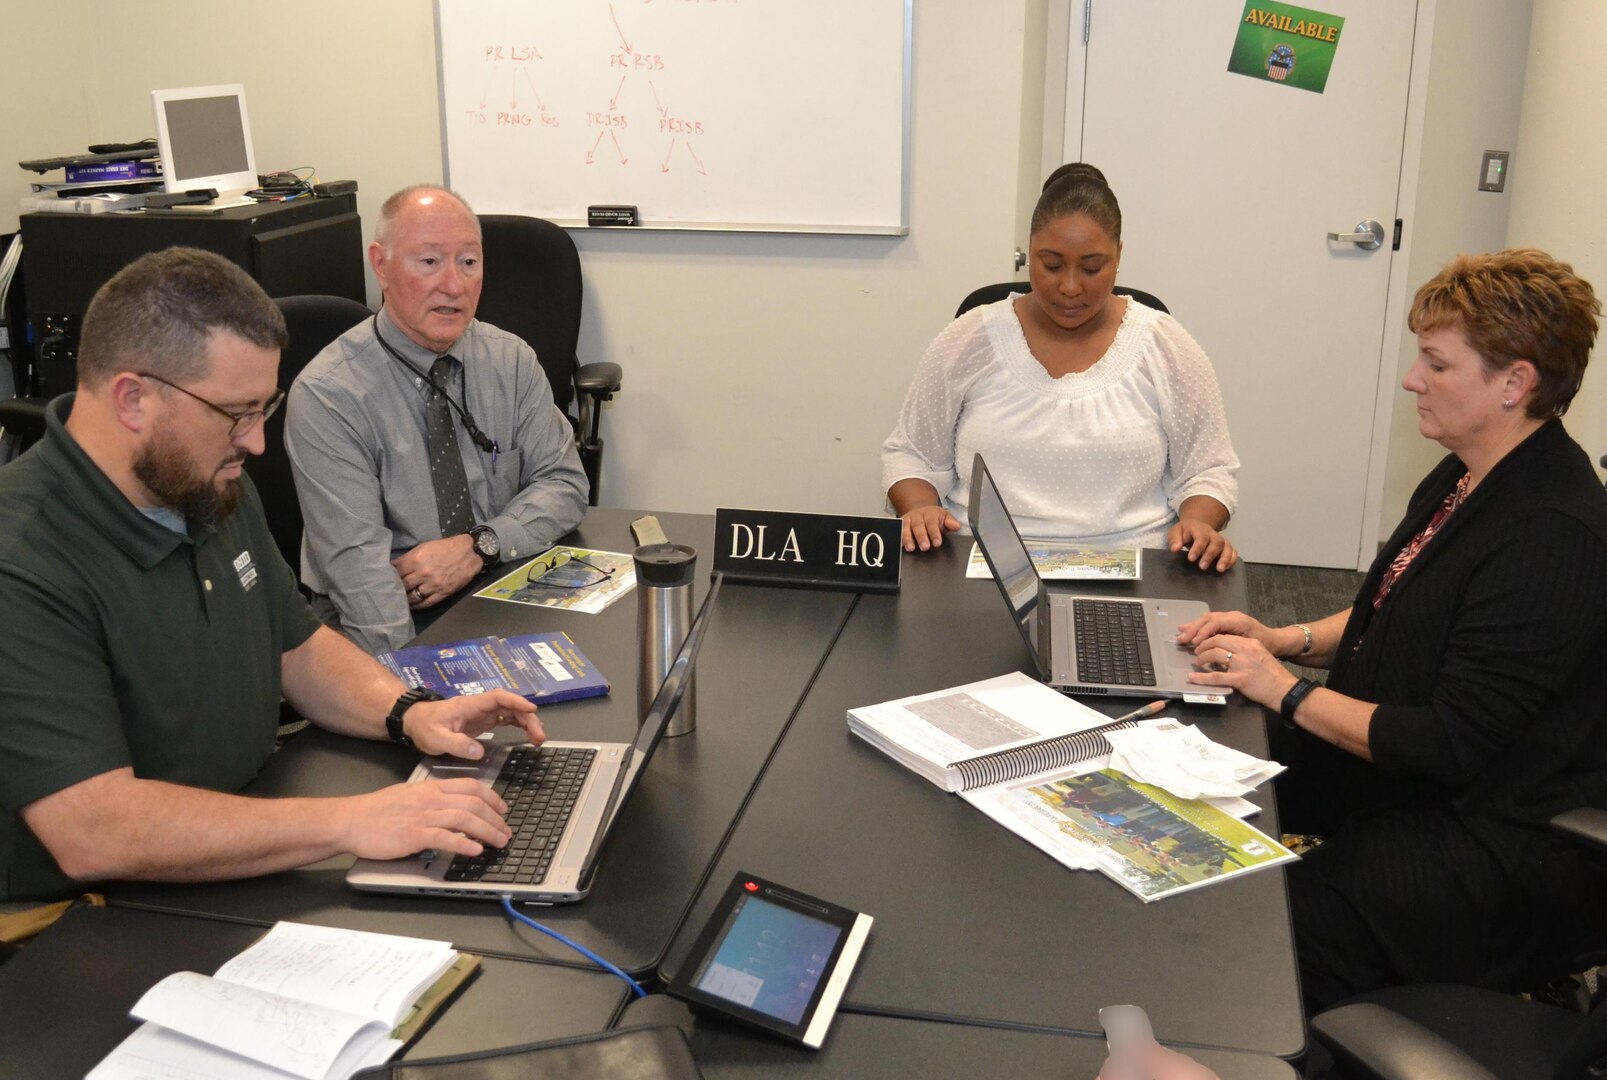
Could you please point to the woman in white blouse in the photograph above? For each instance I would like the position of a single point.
(1099, 418)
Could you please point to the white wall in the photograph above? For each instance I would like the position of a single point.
(765, 370)
(1473, 100)
(41, 114)
(1557, 192)
(760, 370)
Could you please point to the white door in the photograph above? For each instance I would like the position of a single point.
(1229, 187)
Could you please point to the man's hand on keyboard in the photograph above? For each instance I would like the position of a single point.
(451, 726)
(457, 816)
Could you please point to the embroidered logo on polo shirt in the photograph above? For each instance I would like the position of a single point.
(246, 569)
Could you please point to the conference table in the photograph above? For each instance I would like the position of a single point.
(980, 941)
(972, 923)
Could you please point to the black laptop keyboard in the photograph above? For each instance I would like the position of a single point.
(1112, 643)
(540, 785)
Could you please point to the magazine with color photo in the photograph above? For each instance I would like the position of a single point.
(1144, 838)
(1057, 560)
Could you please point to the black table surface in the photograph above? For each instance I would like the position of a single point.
(972, 923)
(764, 647)
(64, 999)
(859, 1046)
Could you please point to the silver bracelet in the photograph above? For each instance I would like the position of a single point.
(1306, 633)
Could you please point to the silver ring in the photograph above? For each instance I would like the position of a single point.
(1229, 660)
(419, 594)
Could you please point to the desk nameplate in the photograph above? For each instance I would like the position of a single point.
(809, 551)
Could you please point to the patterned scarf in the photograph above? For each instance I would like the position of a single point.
(1398, 567)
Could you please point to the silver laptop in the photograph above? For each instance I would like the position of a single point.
(588, 783)
(1119, 646)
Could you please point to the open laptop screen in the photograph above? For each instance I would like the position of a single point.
(1007, 555)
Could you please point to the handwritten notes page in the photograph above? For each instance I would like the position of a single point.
(304, 1001)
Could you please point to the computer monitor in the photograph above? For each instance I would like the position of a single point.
(205, 140)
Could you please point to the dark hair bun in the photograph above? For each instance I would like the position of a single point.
(1080, 171)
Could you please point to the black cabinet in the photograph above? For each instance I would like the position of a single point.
(290, 248)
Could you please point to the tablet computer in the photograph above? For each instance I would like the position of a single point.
(775, 958)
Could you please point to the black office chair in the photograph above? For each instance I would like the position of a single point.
(22, 421)
(1435, 1031)
(533, 289)
(313, 322)
(988, 294)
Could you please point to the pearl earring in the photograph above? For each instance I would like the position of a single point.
(1506, 403)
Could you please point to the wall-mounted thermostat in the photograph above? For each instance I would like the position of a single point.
(1493, 172)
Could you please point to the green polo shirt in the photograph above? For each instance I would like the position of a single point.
(123, 643)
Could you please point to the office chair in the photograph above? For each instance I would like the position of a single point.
(988, 294)
(533, 289)
(313, 322)
(1436, 1030)
(22, 421)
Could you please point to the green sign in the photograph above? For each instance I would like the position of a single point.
(1287, 44)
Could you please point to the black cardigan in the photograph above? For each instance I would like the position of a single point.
(1488, 661)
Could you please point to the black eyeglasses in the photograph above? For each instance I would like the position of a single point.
(541, 572)
(239, 422)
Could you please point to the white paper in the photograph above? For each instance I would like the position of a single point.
(300, 1039)
(1185, 762)
(374, 975)
(154, 1053)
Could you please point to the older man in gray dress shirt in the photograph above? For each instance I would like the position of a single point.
(379, 420)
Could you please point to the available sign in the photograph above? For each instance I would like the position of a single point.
(1287, 44)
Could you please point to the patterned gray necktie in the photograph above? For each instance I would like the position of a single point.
(451, 483)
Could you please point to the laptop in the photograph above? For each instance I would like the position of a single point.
(588, 783)
(1112, 645)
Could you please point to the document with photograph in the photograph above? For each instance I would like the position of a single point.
(1057, 560)
(571, 578)
(1142, 837)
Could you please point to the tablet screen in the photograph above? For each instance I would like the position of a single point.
(770, 959)
(775, 958)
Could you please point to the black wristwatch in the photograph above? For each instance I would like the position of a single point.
(486, 544)
(1291, 701)
(393, 722)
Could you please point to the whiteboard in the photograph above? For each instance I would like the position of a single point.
(764, 115)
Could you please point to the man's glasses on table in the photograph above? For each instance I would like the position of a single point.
(542, 572)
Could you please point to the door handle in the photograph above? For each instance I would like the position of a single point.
(1369, 235)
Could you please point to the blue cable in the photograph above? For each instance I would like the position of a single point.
(507, 905)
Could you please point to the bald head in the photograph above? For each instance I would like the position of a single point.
(417, 196)
(426, 255)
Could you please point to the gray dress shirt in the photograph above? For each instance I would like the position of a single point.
(355, 432)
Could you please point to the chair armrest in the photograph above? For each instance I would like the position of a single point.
(1587, 823)
(1391, 1047)
(597, 380)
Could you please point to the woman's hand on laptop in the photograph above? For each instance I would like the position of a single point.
(453, 726)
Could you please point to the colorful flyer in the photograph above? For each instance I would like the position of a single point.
(1286, 44)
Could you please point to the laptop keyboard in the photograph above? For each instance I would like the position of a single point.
(540, 785)
(1112, 642)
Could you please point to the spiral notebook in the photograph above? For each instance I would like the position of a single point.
(988, 732)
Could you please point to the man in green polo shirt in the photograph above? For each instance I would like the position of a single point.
(148, 625)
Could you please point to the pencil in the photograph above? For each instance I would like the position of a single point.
(1138, 714)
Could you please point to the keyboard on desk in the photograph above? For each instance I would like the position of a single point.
(1112, 642)
(540, 784)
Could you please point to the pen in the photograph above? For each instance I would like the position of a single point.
(1138, 714)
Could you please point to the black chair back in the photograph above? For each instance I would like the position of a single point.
(313, 322)
(989, 294)
(533, 289)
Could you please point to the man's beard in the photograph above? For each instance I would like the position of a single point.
(168, 473)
